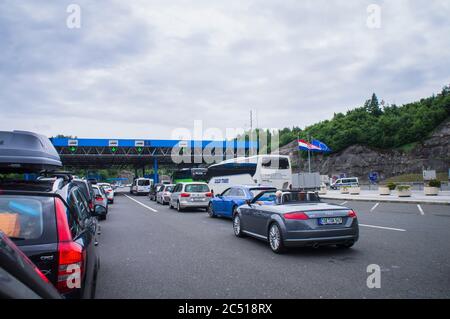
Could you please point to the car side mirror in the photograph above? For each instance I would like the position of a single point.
(219, 196)
(99, 210)
(248, 202)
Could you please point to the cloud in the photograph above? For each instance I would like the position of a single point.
(144, 68)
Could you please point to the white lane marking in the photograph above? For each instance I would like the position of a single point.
(420, 209)
(374, 207)
(381, 227)
(344, 203)
(143, 205)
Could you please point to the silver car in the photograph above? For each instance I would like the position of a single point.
(295, 219)
(164, 193)
(190, 195)
(101, 198)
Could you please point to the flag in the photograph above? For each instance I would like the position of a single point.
(304, 145)
(323, 147)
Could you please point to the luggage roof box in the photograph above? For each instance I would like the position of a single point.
(22, 151)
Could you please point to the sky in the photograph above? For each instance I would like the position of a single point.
(145, 69)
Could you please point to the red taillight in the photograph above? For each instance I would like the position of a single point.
(351, 214)
(296, 215)
(185, 194)
(98, 198)
(70, 254)
(61, 221)
(70, 266)
(208, 194)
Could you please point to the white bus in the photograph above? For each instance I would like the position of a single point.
(264, 170)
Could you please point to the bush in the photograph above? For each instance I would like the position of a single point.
(391, 186)
(434, 183)
(402, 188)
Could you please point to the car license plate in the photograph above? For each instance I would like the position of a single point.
(330, 220)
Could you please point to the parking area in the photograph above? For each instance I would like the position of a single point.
(150, 251)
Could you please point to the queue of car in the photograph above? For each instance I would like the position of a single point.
(283, 218)
(51, 221)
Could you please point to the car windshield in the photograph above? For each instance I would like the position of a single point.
(289, 197)
(143, 182)
(22, 217)
(256, 191)
(168, 189)
(196, 188)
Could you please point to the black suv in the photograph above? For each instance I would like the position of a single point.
(51, 222)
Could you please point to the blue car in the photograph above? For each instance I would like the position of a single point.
(225, 204)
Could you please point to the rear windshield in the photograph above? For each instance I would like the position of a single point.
(24, 217)
(196, 188)
(143, 182)
(168, 189)
(97, 191)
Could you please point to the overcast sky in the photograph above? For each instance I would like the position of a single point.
(139, 69)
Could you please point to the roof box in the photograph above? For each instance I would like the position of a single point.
(22, 151)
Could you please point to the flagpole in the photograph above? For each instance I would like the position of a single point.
(309, 156)
(298, 152)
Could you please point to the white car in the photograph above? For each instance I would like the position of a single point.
(141, 186)
(109, 191)
(190, 195)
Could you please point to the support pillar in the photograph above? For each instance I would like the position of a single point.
(155, 171)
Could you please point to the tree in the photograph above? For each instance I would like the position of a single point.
(372, 106)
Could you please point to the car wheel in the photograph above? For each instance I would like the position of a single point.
(179, 209)
(210, 211)
(237, 226)
(276, 239)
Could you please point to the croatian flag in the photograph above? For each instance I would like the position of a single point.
(304, 145)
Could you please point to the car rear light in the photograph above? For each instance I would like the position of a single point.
(296, 215)
(351, 214)
(208, 194)
(70, 254)
(98, 198)
(185, 195)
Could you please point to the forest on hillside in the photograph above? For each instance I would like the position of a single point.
(377, 124)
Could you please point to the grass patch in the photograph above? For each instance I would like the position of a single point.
(409, 178)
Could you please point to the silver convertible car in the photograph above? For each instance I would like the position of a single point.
(296, 219)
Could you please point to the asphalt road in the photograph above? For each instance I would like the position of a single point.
(155, 252)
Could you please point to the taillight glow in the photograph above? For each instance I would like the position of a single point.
(208, 194)
(185, 195)
(70, 254)
(351, 214)
(296, 216)
(61, 221)
(98, 198)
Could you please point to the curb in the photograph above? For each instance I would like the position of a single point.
(386, 200)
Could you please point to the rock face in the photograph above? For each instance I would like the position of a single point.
(358, 160)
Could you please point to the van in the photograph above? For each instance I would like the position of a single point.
(348, 181)
(141, 186)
